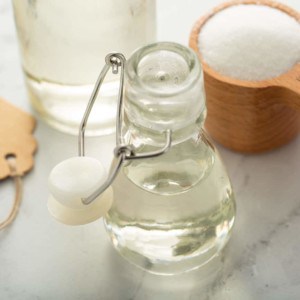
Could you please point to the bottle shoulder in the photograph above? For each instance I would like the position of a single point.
(179, 170)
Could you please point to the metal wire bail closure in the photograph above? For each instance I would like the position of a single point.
(122, 151)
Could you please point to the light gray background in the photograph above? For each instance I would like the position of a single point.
(42, 259)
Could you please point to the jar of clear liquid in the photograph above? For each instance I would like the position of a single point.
(174, 212)
(62, 45)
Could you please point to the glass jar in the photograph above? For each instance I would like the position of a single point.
(174, 212)
(62, 45)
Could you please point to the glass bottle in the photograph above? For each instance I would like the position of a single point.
(174, 212)
(62, 44)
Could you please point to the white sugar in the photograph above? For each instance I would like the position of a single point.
(250, 42)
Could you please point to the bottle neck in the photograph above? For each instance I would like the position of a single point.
(163, 91)
(139, 136)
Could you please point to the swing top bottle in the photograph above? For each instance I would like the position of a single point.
(175, 212)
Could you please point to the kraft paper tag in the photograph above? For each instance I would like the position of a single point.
(16, 127)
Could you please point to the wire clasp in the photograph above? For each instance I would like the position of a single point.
(122, 151)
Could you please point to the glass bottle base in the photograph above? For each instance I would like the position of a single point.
(62, 106)
(167, 268)
(174, 248)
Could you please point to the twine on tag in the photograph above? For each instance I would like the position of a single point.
(11, 161)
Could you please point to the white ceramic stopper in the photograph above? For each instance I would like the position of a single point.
(72, 180)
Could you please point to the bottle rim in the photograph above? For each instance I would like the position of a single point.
(195, 69)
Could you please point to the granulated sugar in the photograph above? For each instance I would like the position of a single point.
(251, 42)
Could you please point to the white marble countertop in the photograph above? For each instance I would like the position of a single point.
(42, 259)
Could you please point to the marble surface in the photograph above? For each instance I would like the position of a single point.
(42, 259)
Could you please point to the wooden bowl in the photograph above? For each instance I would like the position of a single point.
(250, 116)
